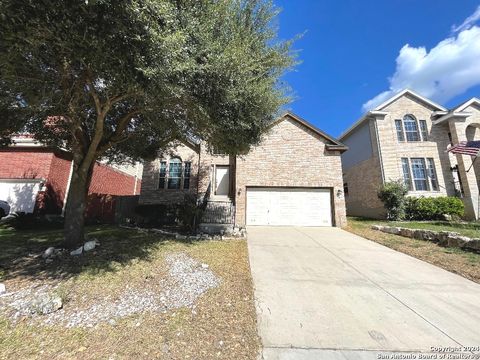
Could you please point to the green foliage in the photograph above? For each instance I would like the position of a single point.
(124, 77)
(433, 208)
(392, 194)
(152, 215)
(189, 213)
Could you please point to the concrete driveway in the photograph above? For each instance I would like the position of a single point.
(323, 293)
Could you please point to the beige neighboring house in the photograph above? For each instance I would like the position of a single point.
(406, 138)
(294, 177)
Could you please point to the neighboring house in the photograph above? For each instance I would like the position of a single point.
(294, 177)
(406, 138)
(35, 179)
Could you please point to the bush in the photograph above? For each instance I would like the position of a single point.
(189, 212)
(157, 214)
(392, 194)
(433, 208)
(24, 221)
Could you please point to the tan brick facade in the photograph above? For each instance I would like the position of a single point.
(290, 155)
(364, 179)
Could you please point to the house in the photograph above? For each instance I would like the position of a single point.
(35, 179)
(293, 177)
(406, 138)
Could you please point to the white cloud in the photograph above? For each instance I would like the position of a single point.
(447, 70)
(469, 21)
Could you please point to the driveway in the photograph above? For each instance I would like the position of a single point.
(323, 293)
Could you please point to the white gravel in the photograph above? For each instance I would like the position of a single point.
(187, 280)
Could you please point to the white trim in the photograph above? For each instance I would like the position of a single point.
(412, 93)
(67, 189)
(467, 104)
(451, 115)
(361, 120)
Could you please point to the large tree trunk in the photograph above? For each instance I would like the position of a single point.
(75, 207)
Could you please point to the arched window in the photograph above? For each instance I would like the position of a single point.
(174, 173)
(411, 128)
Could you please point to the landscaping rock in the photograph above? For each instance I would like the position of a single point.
(77, 252)
(3, 289)
(89, 245)
(180, 237)
(457, 241)
(407, 232)
(49, 252)
(473, 244)
(392, 230)
(377, 227)
(46, 305)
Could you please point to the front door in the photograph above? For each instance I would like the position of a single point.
(222, 180)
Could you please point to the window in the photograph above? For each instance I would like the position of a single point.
(432, 174)
(423, 129)
(163, 175)
(345, 189)
(419, 174)
(174, 173)
(411, 128)
(399, 127)
(186, 175)
(407, 178)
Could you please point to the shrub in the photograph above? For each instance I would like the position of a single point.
(157, 214)
(433, 208)
(189, 212)
(392, 194)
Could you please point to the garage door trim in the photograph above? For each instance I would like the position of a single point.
(330, 188)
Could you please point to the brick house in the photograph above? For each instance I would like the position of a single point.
(406, 138)
(294, 177)
(35, 179)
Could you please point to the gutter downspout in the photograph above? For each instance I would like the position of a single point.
(379, 150)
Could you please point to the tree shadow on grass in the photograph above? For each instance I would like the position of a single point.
(21, 252)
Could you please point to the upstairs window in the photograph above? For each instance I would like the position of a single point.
(163, 175)
(423, 129)
(399, 128)
(174, 173)
(411, 128)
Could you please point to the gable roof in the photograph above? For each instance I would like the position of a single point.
(334, 143)
(413, 94)
(466, 104)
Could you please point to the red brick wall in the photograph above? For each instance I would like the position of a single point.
(106, 180)
(55, 169)
(25, 163)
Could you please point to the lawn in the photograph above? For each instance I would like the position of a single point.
(220, 324)
(461, 262)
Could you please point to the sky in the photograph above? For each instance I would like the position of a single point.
(356, 54)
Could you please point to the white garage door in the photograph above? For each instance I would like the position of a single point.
(286, 206)
(20, 194)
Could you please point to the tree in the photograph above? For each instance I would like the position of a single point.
(392, 194)
(118, 79)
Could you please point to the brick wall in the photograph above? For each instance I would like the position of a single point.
(290, 155)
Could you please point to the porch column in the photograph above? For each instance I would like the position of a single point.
(469, 180)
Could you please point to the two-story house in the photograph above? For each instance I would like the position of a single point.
(406, 138)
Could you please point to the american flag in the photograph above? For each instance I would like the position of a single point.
(471, 148)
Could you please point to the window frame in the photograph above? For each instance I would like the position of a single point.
(183, 172)
(416, 179)
(423, 128)
(410, 119)
(432, 174)
(163, 173)
(399, 130)
(187, 166)
(407, 173)
(178, 179)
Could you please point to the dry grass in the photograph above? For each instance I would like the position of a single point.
(223, 324)
(466, 264)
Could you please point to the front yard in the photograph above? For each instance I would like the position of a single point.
(458, 261)
(137, 295)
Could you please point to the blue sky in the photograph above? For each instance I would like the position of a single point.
(350, 49)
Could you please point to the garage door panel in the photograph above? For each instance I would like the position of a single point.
(284, 206)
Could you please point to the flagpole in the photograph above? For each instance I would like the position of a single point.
(473, 162)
